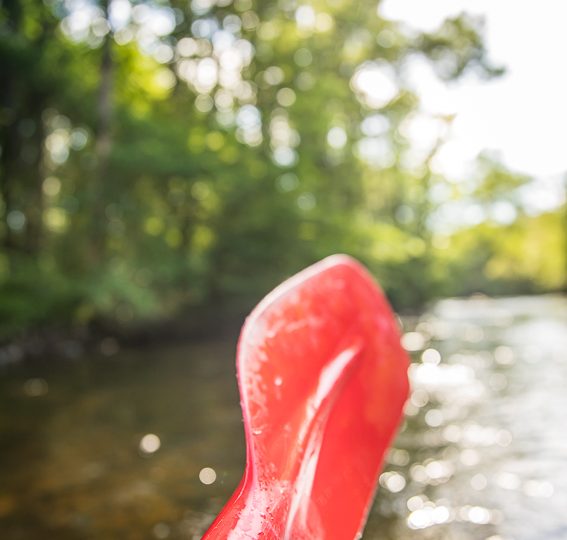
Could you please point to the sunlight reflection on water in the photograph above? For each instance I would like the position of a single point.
(484, 426)
(149, 444)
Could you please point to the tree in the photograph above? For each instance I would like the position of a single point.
(156, 155)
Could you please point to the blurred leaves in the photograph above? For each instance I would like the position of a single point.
(162, 155)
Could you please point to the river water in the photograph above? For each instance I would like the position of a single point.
(149, 444)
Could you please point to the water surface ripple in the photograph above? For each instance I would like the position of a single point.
(149, 444)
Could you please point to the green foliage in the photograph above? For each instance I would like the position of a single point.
(36, 297)
(204, 162)
(525, 256)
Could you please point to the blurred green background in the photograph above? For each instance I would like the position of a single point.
(164, 157)
(164, 164)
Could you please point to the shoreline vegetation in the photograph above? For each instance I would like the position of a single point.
(159, 159)
(107, 338)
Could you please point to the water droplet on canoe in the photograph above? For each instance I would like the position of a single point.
(278, 381)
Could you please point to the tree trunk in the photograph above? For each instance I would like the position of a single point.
(35, 201)
(9, 138)
(8, 163)
(103, 145)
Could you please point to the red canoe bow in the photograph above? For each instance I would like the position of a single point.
(323, 381)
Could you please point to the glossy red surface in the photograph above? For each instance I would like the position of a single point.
(323, 380)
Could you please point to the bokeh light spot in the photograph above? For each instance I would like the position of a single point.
(207, 475)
